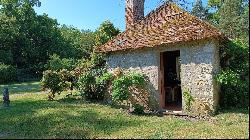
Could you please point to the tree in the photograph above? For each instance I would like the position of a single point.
(199, 11)
(105, 32)
(76, 44)
(231, 17)
(27, 40)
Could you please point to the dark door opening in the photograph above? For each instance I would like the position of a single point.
(172, 84)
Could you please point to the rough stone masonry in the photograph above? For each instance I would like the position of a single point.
(199, 64)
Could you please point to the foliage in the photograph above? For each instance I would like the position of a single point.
(228, 77)
(6, 57)
(96, 61)
(93, 84)
(120, 88)
(51, 80)
(75, 43)
(105, 32)
(121, 85)
(56, 82)
(231, 17)
(27, 40)
(7, 73)
(138, 109)
(215, 3)
(56, 63)
(234, 77)
(200, 11)
(188, 100)
(235, 93)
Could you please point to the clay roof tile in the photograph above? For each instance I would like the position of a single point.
(167, 24)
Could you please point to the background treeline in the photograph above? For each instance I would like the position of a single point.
(28, 41)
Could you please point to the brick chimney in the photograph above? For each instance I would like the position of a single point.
(134, 11)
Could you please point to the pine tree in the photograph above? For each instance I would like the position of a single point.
(231, 13)
(199, 11)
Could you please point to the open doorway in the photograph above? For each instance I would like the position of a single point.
(171, 81)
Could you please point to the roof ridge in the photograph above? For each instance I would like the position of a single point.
(168, 23)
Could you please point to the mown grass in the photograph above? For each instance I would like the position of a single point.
(19, 88)
(32, 116)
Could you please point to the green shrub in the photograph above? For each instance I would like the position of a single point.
(95, 62)
(138, 109)
(234, 77)
(121, 85)
(120, 88)
(228, 77)
(57, 82)
(235, 92)
(93, 84)
(188, 98)
(7, 73)
(56, 63)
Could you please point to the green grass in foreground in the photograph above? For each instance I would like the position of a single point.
(32, 116)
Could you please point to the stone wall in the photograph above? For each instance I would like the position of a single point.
(199, 64)
(145, 61)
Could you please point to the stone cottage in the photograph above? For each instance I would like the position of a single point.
(178, 52)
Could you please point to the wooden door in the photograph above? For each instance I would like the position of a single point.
(161, 77)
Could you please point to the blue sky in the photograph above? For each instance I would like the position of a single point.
(89, 14)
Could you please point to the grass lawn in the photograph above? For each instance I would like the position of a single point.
(32, 116)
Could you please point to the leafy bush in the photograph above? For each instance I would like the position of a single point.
(7, 73)
(120, 88)
(130, 87)
(235, 92)
(188, 100)
(228, 77)
(138, 109)
(234, 77)
(57, 82)
(56, 63)
(96, 61)
(121, 85)
(93, 84)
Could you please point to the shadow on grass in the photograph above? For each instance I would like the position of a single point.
(233, 110)
(19, 88)
(30, 119)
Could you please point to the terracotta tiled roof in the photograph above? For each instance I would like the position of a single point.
(167, 24)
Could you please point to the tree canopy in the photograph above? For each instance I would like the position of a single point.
(27, 40)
